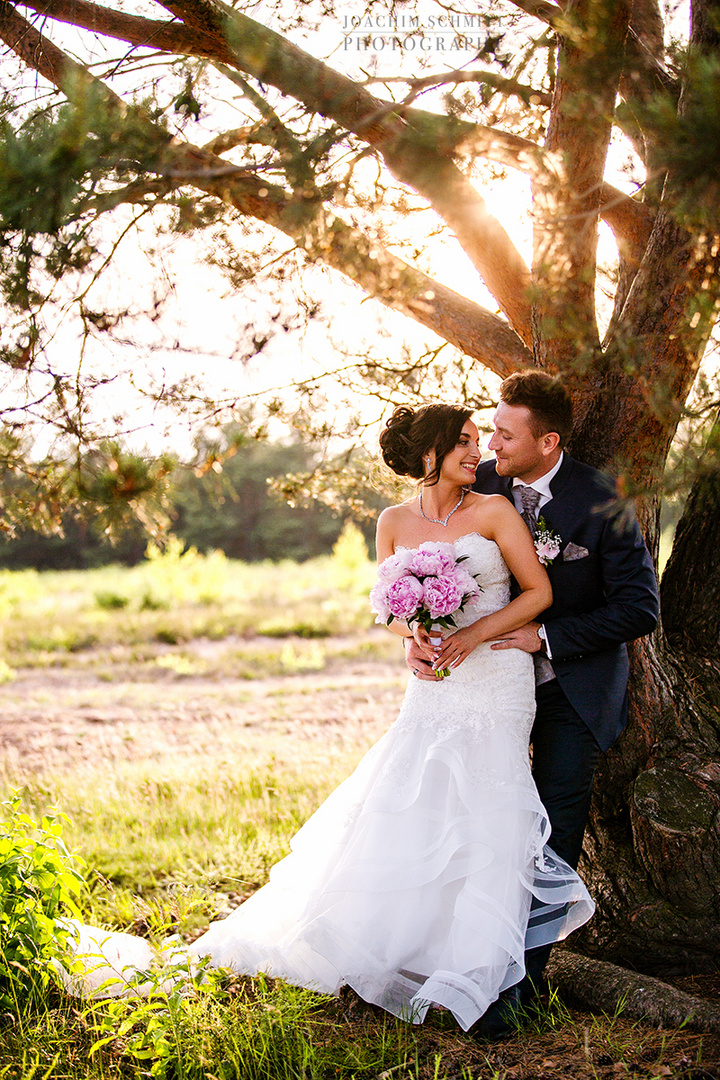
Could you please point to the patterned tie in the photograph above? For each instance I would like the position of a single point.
(530, 499)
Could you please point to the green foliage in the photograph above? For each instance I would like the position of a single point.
(50, 168)
(113, 480)
(109, 506)
(111, 601)
(221, 1027)
(174, 575)
(350, 559)
(689, 142)
(69, 512)
(18, 588)
(41, 168)
(39, 884)
(123, 612)
(229, 503)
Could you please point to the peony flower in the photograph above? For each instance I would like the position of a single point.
(404, 596)
(433, 558)
(379, 602)
(441, 595)
(395, 566)
(466, 583)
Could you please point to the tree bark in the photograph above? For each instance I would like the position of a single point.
(691, 582)
(568, 189)
(599, 985)
(652, 853)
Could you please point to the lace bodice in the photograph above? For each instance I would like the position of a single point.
(489, 687)
(484, 561)
(487, 565)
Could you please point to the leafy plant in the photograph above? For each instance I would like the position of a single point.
(174, 574)
(110, 601)
(350, 567)
(38, 885)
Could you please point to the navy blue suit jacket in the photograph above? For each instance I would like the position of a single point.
(601, 599)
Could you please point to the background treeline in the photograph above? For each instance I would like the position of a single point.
(227, 504)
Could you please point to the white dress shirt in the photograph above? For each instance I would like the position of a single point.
(541, 485)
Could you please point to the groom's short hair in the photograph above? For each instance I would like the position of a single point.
(545, 397)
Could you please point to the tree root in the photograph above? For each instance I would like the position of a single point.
(607, 987)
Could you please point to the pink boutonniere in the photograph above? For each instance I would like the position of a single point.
(547, 542)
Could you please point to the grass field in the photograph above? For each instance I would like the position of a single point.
(188, 715)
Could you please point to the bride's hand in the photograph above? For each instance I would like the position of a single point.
(422, 637)
(457, 647)
(419, 660)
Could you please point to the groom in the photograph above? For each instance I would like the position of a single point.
(604, 595)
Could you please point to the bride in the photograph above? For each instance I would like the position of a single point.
(413, 882)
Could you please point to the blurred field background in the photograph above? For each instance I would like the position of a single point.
(152, 705)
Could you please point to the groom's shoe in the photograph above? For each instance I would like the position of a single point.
(505, 1016)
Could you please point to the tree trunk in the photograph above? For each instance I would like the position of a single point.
(652, 853)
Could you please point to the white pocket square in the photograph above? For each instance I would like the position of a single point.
(573, 552)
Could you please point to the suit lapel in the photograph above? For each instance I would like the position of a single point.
(561, 477)
(561, 510)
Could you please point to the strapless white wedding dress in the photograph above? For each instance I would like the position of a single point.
(413, 882)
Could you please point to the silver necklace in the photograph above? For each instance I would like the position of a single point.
(443, 521)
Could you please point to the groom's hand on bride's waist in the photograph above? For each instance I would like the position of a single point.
(525, 638)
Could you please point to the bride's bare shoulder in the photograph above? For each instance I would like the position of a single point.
(484, 504)
(491, 511)
(393, 524)
(479, 499)
(401, 512)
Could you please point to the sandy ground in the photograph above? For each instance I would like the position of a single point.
(58, 719)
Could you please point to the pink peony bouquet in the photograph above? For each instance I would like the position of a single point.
(426, 585)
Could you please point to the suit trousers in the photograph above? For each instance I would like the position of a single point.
(564, 756)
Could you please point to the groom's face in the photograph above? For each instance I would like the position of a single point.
(518, 452)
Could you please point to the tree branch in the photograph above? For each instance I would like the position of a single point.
(541, 9)
(408, 154)
(499, 83)
(168, 36)
(177, 38)
(568, 190)
(228, 140)
(630, 220)
(408, 138)
(382, 275)
(413, 157)
(644, 75)
(605, 987)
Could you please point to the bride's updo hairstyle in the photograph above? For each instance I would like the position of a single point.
(410, 434)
